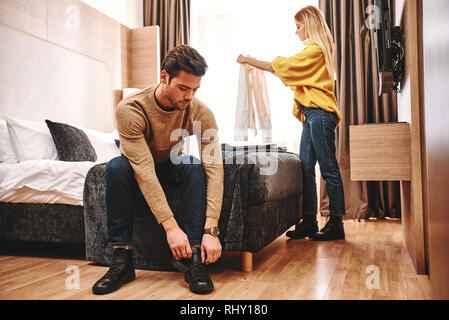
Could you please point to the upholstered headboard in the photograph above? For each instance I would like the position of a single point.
(61, 59)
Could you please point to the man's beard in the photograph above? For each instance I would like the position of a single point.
(179, 105)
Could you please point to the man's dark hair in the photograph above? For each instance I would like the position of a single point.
(184, 58)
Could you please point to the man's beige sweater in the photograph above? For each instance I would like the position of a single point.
(146, 131)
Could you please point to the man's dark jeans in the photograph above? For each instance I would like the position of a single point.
(318, 144)
(123, 196)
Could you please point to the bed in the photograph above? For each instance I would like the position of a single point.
(41, 193)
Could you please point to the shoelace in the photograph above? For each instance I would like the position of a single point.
(198, 271)
(113, 271)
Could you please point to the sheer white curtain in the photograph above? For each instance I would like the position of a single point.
(264, 29)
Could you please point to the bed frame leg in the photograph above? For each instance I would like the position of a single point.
(247, 261)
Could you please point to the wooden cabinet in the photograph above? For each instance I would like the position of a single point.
(380, 152)
(390, 152)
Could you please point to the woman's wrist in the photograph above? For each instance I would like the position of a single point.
(241, 59)
(263, 65)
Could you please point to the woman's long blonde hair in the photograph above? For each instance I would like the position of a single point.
(318, 31)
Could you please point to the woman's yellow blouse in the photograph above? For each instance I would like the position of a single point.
(306, 74)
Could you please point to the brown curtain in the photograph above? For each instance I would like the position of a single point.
(173, 18)
(356, 92)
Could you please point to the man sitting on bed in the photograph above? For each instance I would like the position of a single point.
(151, 124)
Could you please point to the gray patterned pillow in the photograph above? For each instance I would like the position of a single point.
(72, 144)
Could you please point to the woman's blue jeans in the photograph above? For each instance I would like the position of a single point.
(123, 197)
(318, 144)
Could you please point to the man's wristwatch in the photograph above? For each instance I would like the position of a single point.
(213, 231)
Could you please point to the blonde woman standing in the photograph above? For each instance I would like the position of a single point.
(310, 74)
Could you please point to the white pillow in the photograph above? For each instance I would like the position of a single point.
(103, 143)
(31, 140)
(7, 154)
(129, 91)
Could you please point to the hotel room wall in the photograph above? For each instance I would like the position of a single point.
(436, 115)
(408, 15)
(423, 103)
(61, 59)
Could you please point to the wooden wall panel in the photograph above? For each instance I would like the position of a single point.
(26, 15)
(410, 104)
(117, 96)
(145, 57)
(126, 55)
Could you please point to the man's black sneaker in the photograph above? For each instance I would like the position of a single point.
(197, 275)
(121, 272)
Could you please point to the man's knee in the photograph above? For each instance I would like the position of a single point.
(119, 168)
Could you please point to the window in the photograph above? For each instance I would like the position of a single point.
(263, 29)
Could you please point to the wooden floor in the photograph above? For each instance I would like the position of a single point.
(286, 269)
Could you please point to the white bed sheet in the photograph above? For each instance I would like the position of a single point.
(28, 195)
(44, 181)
